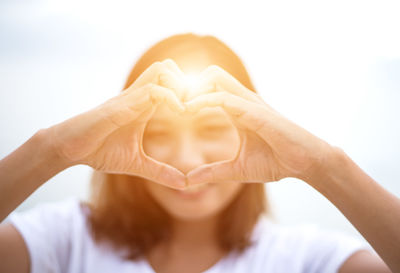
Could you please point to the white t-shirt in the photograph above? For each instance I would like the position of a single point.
(58, 240)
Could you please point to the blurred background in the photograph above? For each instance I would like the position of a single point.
(332, 67)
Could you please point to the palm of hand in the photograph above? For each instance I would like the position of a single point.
(120, 152)
(266, 157)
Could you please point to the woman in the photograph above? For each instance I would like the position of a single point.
(178, 181)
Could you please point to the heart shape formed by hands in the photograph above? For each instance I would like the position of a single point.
(211, 82)
(182, 139)
(109, 137)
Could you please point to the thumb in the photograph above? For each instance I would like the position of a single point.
(162, 173)
(222, 171)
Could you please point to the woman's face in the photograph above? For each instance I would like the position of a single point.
(186, 141)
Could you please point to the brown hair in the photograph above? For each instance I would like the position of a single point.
(124, 214)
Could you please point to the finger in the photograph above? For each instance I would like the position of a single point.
(249, 114)
(145, 116)
(215, 173)
(172, 65)
(221, 172)
(152, 94)
(160, 74)
(124, 109)
(235, 105)
(162, 173)
(178, 81)
(214, 79)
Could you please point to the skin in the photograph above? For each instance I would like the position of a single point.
(187, 141)
(271, 148)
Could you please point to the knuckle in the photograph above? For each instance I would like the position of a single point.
(154, 93)
(148, 87)
(215, 74)
(214, 69)
(162, 67)
(157, 65)
(218, 72)
(153, 68)
(169, 61)
(163, 78)
(146, 91)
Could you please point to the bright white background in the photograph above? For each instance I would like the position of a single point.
(331, 67)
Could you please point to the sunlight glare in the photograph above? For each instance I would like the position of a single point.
(192, 80)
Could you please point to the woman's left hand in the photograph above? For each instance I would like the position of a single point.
(271, 147)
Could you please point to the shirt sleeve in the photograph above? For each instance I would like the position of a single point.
(46, 230)
(328, 250)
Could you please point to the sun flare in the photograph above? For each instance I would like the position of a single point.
(192, 80)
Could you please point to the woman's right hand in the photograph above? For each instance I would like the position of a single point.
(109, 137)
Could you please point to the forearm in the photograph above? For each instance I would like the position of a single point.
(374, 211)
(26, 169)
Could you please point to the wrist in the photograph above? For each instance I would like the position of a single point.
(329, 169)
(49, 153)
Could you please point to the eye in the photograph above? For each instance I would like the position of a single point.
(157, 133)
(209, 130)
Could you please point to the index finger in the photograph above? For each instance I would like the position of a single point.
(215, 78)
(160, 73)
(249, 114)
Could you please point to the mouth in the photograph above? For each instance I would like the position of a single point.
(194, 192)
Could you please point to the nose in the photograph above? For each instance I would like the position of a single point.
(188, 154)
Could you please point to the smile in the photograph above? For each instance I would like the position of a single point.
(194, 192)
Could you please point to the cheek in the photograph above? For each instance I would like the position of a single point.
(227, 192)
(158, 148)
(221, 146)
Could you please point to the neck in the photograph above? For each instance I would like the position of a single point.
(192, 243)
(199, 232)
